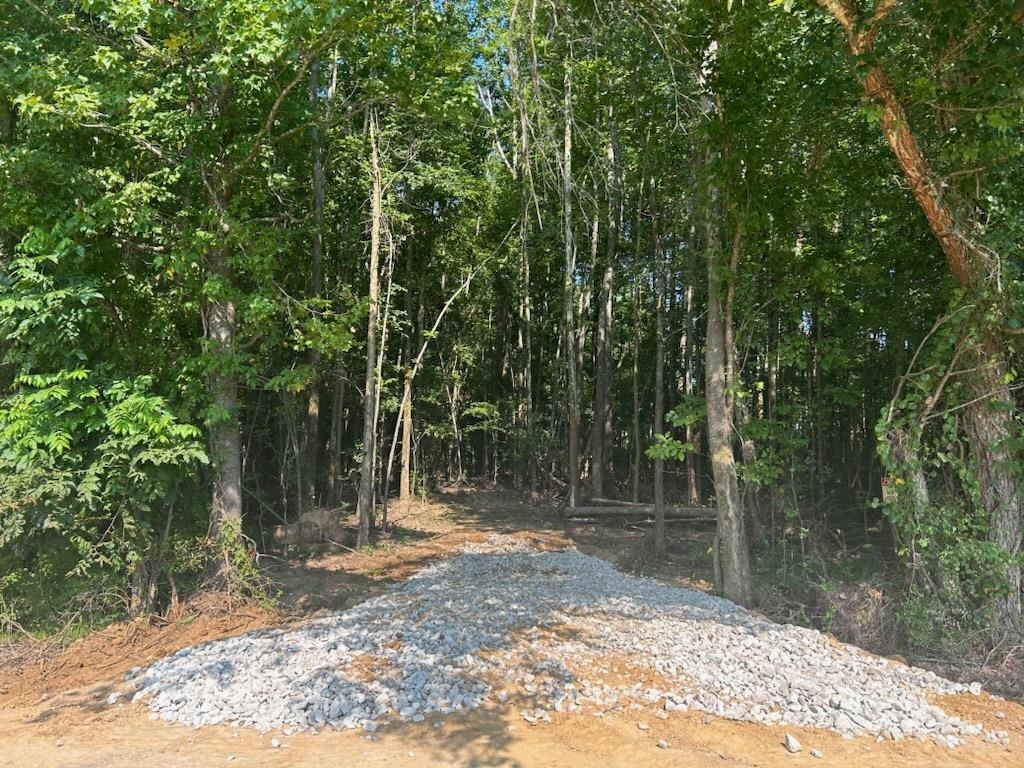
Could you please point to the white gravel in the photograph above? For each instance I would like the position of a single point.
(546, 632)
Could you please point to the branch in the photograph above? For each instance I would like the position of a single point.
(845, 12)
(882, 10)
(145, 144)
(842, 11)
(268, 123)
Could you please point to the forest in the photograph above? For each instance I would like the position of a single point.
(267, 259)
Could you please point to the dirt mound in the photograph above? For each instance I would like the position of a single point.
(29, 672)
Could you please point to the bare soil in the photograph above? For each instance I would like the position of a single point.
(54, 711)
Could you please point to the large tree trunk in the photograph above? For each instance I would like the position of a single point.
(990, 420)
(222, 387)
(733, 557)
(991, 429)
(366, 477)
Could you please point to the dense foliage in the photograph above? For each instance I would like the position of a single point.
(265, 256)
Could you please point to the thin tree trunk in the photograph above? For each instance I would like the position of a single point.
(568, 296)
(526, 402)
(337, 431)
(737, 402)
(310, 443)
(526, 463)
(8, 134)
(635, 472)
(382, 346)
(637, 342)
(370, 396)
(602, 427)
(659, 390)
(405, 480)
(405, 409)
(690, 381)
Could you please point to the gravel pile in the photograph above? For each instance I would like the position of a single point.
(547, 632)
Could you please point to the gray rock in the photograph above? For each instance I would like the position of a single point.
(791, 744)
(464, 640)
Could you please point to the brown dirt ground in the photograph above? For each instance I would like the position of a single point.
(53, 709)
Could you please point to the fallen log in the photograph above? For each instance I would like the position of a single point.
(615, 503)
(645, 510)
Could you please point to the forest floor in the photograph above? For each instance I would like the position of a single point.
(54, 710)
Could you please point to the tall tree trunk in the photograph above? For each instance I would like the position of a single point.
(310, 443)
(659, 388)
(568, 296)
(370, 395)
(526, 464)
(404, 480)
(990, 425)
(733, 557)
(635, 469)
(222, 386)
(8, 121)
(691, 372)
(990, 420)
(602, 427)
(738, 404)
(337, 431)
(637, 343)
(8, 132)
(526, 335)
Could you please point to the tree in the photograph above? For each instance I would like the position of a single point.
(990, 415)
